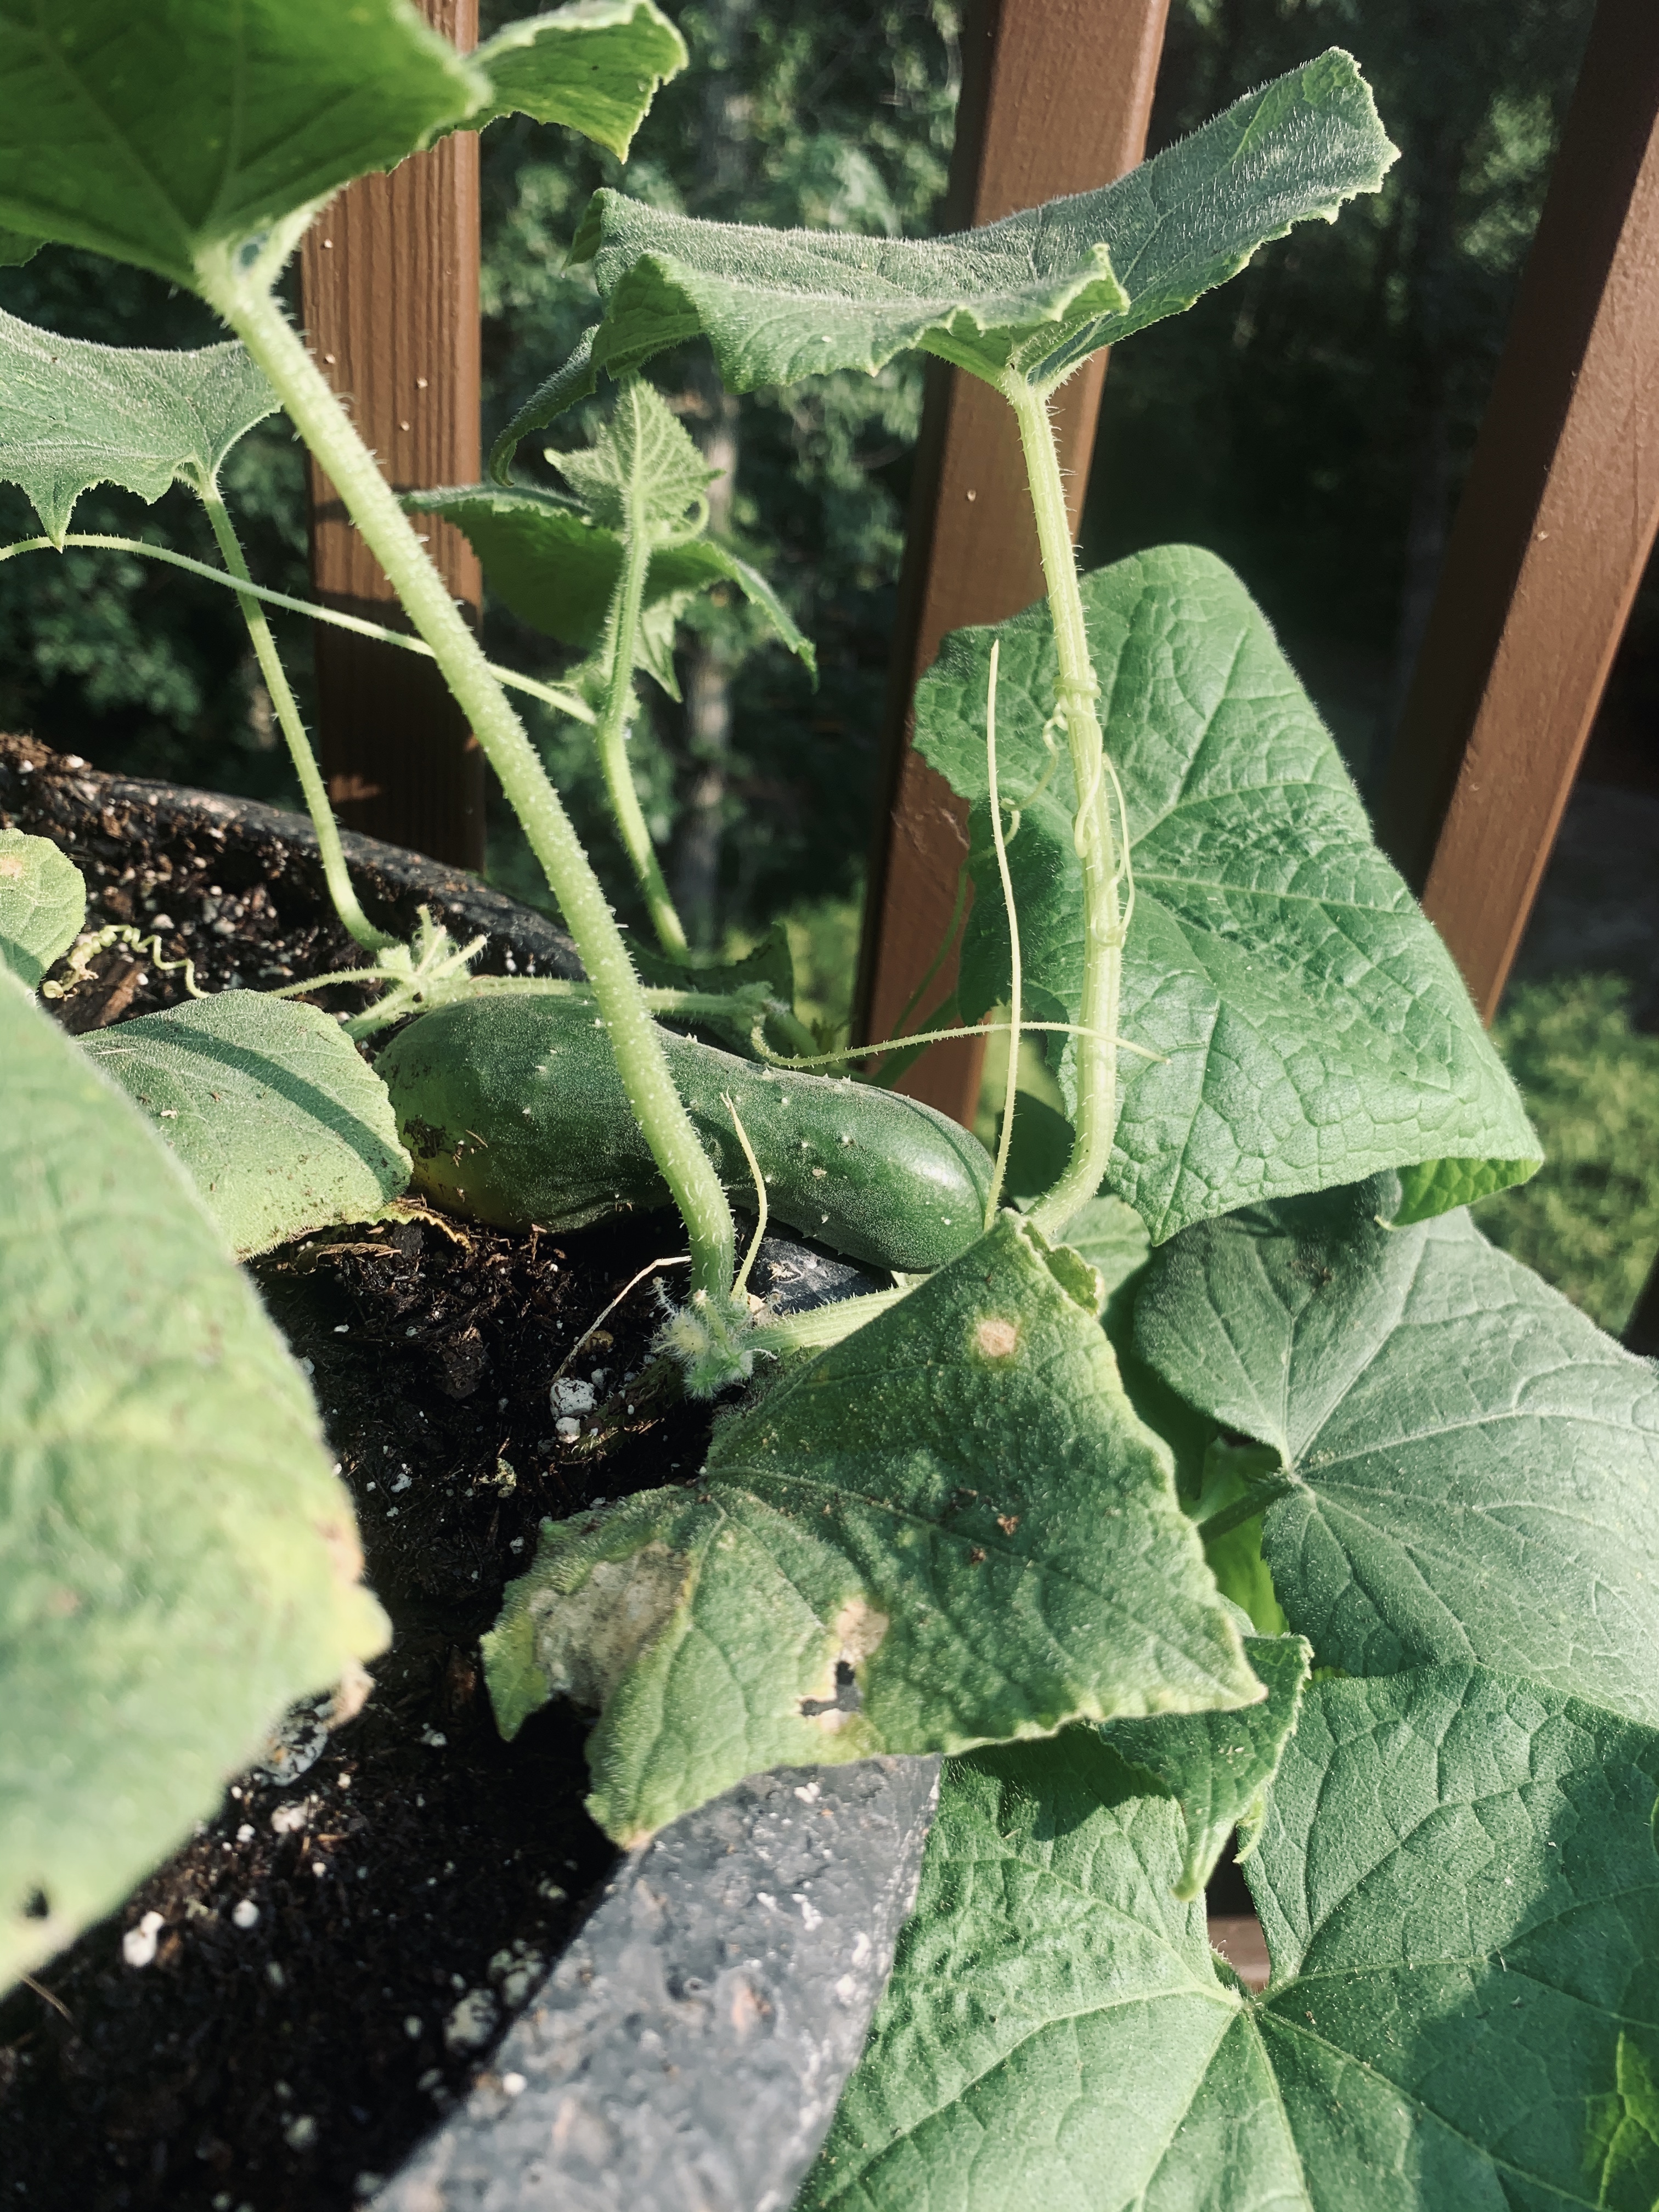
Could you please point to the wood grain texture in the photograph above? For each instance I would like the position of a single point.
(389, 290)
(1553, 530)
(1056, 95)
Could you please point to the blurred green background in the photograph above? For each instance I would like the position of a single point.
(1310, 422)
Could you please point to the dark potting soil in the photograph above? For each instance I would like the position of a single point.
(338, 1952)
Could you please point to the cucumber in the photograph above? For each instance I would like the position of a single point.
(514, 1113)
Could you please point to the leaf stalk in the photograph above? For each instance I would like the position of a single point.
(261, 324)
(1011, 1084)
(611, 735)
(356, 922)
(1102, 969)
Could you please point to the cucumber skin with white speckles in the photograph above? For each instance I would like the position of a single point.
(514, 1113)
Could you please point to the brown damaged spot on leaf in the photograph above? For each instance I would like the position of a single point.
(996, 1339)
(858, 1630)
(587, 1639)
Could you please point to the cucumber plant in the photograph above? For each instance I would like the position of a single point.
(1235, 1484)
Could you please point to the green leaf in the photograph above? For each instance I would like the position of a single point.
(1111, 1237)
(43, 903)
(280, 1124)
(594, 66)
(822, 1595)
(769, 964)
(1314, 1028)
(557, 570)
(1038, 292)
(642, 471)
(1458, 1886)
(1472, 1467)
(545, 559)
(15, 249)
(73, 414)
(1237, 1483)
(1219, 1767)
(177, 1562)
(1434, 1187)
(155, 134)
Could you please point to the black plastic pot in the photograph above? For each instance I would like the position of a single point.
(687, 2052)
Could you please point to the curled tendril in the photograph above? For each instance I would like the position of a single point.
(91, 942)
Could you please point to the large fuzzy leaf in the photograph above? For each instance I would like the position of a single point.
(1473, 1468)
(1043, 289)
(1219, 1767)
(73, 414)
(594, 66)
(557, 568)
(280, 1124)
(642, 473)
(155, 133)
(1314, 1029)
(1461, 1893)
(824, 1592)
(43, 903)
(177, 1562)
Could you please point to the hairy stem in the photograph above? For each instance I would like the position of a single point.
(259, 320)
(1011, 1082)
(356, 923)
(1103, 955)
(612, 737)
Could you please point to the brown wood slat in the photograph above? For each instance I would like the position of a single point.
(1056, 95)
(1553, 530)
(389, 290)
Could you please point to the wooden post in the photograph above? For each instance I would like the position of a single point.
(1055, 98)
(1553, 530)
(389, 292)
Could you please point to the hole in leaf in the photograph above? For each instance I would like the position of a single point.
(37, 1906)
(846, 1700)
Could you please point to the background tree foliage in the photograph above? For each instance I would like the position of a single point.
(1310, 423)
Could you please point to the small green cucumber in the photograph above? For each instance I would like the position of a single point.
(514, 1113)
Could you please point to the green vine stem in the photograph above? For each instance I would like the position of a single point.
(260, 321)
(1103, 955)
(552, 694)
(1011, 1083)
(611, 739)
(356, 922)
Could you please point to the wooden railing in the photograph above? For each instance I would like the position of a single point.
(389, 296)
(1055, 98)
(1555, 526)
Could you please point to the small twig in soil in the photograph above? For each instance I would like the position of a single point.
(678, 1259)
(46, 1996)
